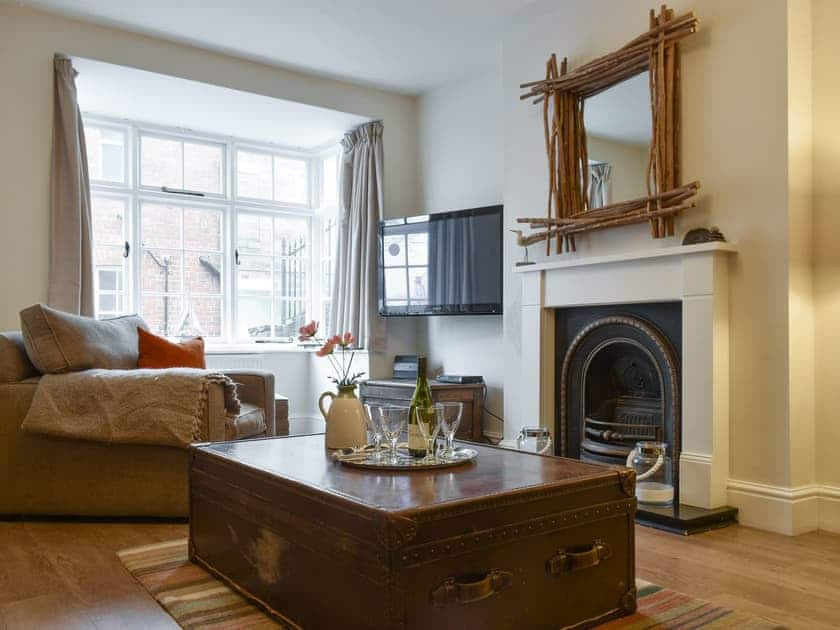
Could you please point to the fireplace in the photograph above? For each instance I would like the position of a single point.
(676, 294)
(618, 379)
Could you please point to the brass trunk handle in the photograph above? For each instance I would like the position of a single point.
(578, 558)
(470, 588)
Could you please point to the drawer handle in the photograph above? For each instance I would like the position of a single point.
(578, 558)
(471, 588)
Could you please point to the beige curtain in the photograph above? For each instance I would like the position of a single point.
(354, 295)
(71, 236)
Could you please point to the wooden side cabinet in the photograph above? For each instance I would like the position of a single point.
(400, 392)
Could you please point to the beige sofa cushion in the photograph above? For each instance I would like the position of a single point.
(58, 342)
(14, 363)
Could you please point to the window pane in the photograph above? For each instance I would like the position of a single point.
(291, 180)
(105, 153)
(108, 220)
(160, 271)
(203, 167)
(202, 229)
(418, 249)
(161, 162)
(253, 233)
(395, 288)
(208, 312)
(108, 303)
(329, 181)
(290, 277)
(417, 282)
(290, 315)
(203, 272)
(160, 225)
(394, 250)
(290, 236)
(254, 275)
(108, 280)
(254, 316)
(253, 175)
(161, 313)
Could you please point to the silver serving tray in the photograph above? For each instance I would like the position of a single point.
(366, 458)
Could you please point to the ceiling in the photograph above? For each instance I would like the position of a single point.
(402, 45)
(204, 107)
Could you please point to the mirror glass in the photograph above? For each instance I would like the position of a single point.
(618, 135)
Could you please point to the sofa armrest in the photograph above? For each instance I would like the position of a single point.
(257, 388)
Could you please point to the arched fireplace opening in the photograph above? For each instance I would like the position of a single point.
(619, 380)
(622, 401)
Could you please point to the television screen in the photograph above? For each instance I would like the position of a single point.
(448, 263)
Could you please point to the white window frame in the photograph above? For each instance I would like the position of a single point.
(141, 131)
(230, 204)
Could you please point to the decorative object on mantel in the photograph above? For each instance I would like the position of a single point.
(703, 235)
(520, 240)
(346, 417)
(562, 94)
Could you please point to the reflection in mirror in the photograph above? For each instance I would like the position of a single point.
(618, 136)
(440, 263)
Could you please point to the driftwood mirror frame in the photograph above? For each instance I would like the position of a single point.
(562, 94)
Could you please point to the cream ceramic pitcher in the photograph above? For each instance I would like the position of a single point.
(345, 418)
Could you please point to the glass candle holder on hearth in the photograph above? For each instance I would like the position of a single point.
(654, 473)
(534, 440)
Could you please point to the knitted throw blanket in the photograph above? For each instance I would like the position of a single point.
(161, 407)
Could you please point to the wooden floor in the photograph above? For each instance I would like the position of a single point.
(66, 575)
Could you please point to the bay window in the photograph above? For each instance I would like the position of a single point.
(234, 240)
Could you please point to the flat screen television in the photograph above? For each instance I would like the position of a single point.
(447, 263)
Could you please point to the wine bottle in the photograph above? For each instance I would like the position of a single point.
(422, 406)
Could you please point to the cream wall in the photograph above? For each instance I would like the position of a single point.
(28, 40)
(826, 14)
(628, 161)
(462, 166)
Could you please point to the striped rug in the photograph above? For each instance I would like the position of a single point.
(196, 600)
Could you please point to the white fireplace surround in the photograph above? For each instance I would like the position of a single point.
(696, 276)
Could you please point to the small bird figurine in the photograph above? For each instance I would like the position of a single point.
(520, 240)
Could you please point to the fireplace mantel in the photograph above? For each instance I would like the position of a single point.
(696, 276)
(565, 262)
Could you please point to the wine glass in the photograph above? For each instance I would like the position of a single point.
(394, 420)
(429, 429)
(373, 420)
(449, 422)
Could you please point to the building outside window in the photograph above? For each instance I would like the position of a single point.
(232, 237)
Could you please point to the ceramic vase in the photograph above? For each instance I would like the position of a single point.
(345, 418)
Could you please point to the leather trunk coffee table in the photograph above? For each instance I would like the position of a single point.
(510, 540)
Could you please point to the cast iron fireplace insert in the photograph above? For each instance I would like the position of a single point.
(619, 379)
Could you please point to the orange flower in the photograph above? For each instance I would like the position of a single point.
(347, 339)
(335, 340)
(326, 349)
(308, 331)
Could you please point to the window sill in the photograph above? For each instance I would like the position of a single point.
(254, 348)
(262, 348)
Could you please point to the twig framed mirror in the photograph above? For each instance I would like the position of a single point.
(645, 71)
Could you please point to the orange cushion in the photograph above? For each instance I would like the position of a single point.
(158, 353)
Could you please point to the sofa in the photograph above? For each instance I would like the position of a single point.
(44, 475)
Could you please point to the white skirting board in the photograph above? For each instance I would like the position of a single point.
(788, 511)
